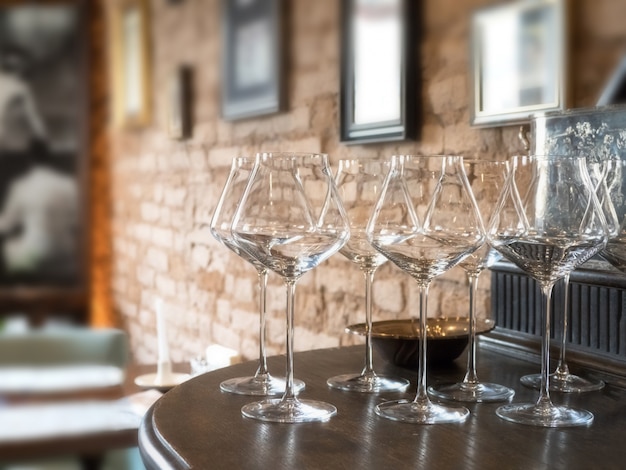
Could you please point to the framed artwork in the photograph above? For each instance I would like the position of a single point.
(130, 58)
(179, 119)
(377, 97)
(43, 153)
(252, 58)
(518, 61)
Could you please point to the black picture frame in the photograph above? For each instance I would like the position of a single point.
(253, 78)
(397, 121)
(180, 116)
(53, 161)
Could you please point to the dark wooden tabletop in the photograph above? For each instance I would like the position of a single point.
(197, 426)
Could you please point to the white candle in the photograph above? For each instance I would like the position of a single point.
(164, 366)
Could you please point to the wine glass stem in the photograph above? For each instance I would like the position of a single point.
(368, 370)
(262, 277)
(544, 391)
(562, 369)
(470, 376)
(422, 397)
(291, 293)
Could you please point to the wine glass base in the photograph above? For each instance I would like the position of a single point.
(421, 413)
(549, 417)
(568, 383)
(368, 383)
(265, 385)
(472, 393)
(291, 410)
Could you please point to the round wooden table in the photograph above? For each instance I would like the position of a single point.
(197, 426)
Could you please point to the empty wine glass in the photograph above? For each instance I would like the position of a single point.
(359, 183)
(261, 383)
(562, 380)
(486, 179)
(554, 228)
(425, 221)
(291, 219)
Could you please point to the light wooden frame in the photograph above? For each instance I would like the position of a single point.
(129, 28)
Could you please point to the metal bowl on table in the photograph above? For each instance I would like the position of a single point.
(397, 341)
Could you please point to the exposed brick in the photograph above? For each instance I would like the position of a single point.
(389, 295)
(145, 276)
(175, 197)
(150, 212)
(162, 237)
(158, 259)
(198, 159)
(165, 286)
(222, 157)
(200, 256)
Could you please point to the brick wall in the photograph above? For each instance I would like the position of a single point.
(163, 193)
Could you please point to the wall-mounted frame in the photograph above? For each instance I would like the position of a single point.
(378, 76)
(130, 58)
(44, 154)
(179, 115)
(252, 58)
(518, 61)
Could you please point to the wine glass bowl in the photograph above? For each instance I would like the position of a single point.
(548, 222)
(359, 183)
(486, 179)
(261, 383)
(425, 221)
(290, 219)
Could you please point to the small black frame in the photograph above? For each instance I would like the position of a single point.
(402, 125)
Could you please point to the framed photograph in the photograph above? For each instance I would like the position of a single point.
(377, 97)
(43, 153)
(252, 58)
(130, 51)
(179, 123)
(518, 61)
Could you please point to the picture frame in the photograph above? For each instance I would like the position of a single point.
(131, 63)
(44, 236)
(378, 71)
(519, 61)
(253, 58)
(179, 118)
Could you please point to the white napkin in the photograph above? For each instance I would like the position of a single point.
(40, 421)
(56, 379)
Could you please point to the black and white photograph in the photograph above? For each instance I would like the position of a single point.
(41, 144)
(518, 61)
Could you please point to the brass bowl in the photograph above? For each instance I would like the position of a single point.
(397, 341)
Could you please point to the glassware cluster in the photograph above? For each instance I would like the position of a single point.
(285, 213)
